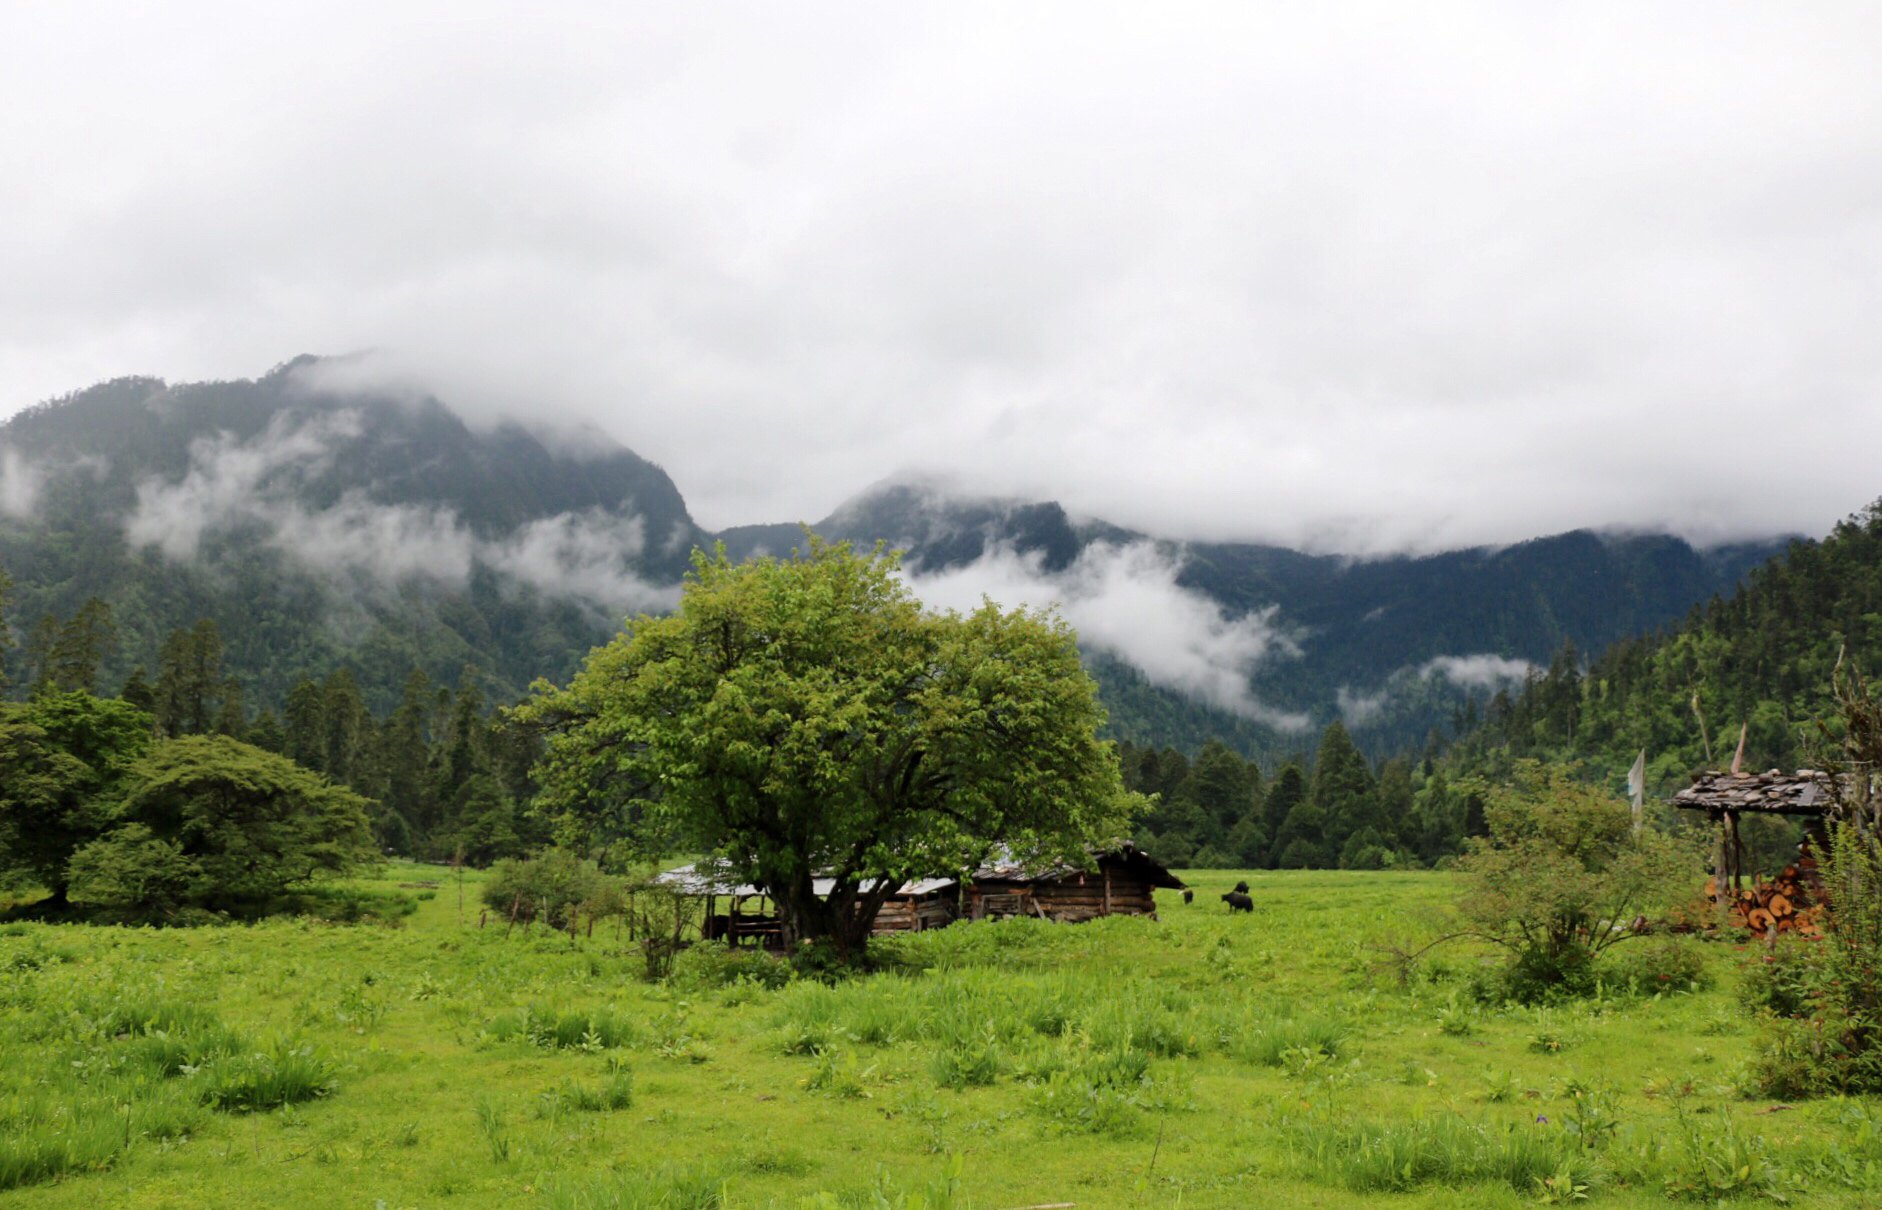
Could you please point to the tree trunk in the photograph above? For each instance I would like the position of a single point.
(844, 918)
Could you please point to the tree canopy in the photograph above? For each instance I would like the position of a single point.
(63, 757)
(805, 718)
(208, 820)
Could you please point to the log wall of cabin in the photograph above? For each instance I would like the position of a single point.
(909, 915)
(1070, 899)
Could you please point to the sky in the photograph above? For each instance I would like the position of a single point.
(1361, 278)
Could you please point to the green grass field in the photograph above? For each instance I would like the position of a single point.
(1202, 1061)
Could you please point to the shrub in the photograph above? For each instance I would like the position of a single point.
(1561, 867)
(1783, 979)
(549, 886)
(712, 966)
(1837, 1046)
(1656, 964)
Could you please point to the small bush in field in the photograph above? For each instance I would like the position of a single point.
(1561, 862)
(547, 887)
(287, 1075)
(714, 966)
(1782, 979)
(1656, 964)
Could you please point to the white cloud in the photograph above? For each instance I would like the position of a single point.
(1357, 708)
(583, 555)
(21, 481)
(387, 542)
(230, 479)
(1124, 599)
(232, 482)
(1480, 671)
(1365, 276)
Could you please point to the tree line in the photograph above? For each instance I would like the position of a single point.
(442, 775)
(1216, 810)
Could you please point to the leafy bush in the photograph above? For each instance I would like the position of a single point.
(1656, 964)
(1836, 1046)
(712, 966)
(549, 886)
(1561, 868)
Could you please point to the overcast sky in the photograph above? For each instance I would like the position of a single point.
(1362, 277)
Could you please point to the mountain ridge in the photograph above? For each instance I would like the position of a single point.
(322, 526)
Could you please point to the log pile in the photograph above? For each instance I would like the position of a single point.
(1789, 903)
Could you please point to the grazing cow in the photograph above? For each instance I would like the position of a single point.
(1238, 902)
(1241, 888)
(1189, 896)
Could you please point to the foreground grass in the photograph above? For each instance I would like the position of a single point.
(1202, 1061)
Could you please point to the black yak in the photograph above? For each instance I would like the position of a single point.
(1238, 902)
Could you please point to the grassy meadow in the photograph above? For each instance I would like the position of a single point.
(1204, 1060)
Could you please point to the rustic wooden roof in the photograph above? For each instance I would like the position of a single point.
(704, 878)
(1805, 792)
(1003, 866)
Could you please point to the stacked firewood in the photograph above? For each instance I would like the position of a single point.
(1784, 904)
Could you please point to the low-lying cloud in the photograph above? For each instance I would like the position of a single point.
(20, 483)
(1476, 673)
(1481, 671)
(234, 483)
(230, 479)
(1125, 600)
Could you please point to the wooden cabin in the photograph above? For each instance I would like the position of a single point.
(1118, 882)
(751, 917)
(926, 903)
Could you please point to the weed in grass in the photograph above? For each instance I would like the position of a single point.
(1269, 1045)
(1443, 1150)
(1714, 1162)
(570, 1096)
(669, 1188)
(490, 1122)
(974, 1064)
(1548, 1041)
(773, 1160)
(1456, 1020)
(600, 1030)
(285, 1075)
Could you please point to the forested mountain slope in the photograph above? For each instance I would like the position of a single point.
(322, 525)
(1760, 657)
(1392, 646)
(319, 528)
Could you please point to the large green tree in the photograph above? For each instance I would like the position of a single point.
(209, 820)
(63, 757)
(805, 718)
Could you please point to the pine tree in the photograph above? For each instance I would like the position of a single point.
(189, 680)
(304, 726)
(81, 648)
(1343, 789)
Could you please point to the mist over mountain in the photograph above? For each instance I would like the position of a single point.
(320, 522)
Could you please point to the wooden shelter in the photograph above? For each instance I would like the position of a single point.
(1120, 881)
(1766, 906)
(751, 916)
